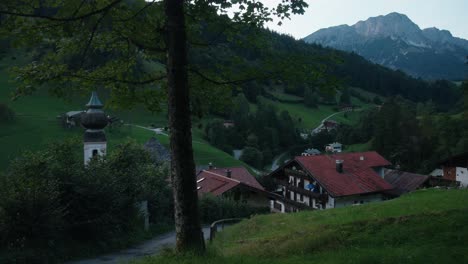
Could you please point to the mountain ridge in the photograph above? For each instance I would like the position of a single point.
(395, 41)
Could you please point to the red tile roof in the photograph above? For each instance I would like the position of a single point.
(216, 182)
(358, 176)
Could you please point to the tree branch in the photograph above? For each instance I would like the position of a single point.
(91, 37)
(137, 13)
(109, 79)
(66, 19)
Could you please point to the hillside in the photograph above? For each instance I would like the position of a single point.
(36, 125)
(427, 226)
(397, 42)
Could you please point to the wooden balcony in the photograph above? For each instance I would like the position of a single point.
(296, 173)
(299, 205)
(299, 190)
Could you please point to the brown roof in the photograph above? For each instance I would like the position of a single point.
(216, 182)
(405, 181)
(358, 176)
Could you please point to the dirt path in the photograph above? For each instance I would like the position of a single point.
(149, 247)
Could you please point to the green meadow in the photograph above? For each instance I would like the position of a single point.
(427, 226)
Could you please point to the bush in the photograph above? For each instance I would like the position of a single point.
(252, 156)
(49, 199)
(215, 208)
(31, 216)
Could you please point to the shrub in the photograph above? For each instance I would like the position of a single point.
(48, 199)
(252, 156)
(216, 208)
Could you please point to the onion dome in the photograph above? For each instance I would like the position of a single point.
(94, 118)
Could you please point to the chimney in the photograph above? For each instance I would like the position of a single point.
(228, 173)
(339, 166)
(210, 166)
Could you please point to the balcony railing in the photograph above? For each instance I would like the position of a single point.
(299, 190)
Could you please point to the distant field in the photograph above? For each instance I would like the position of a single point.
(367, 94)
(312, 117)
(358, 147)
(284, 96)
(427, 226)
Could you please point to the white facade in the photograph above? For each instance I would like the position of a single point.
(277, 206)
(92, 149)
(462, 176)
(330, 203)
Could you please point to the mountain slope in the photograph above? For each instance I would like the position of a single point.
(398, 43)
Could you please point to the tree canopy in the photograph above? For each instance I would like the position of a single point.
(137, 50)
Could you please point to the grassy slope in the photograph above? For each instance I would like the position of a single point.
(312, 117)
(359, 147)
(428, 226)
(205, 153)
(36, 125)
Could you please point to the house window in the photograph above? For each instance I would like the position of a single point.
(95, 152)
(299, 197)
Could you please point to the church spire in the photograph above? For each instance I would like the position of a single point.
(94, 101)
(94, 120)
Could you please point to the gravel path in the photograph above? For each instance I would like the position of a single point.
(149, 247)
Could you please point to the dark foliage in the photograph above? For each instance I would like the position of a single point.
(216, 208)
(6, 114)
(50, 202)
(262, 134)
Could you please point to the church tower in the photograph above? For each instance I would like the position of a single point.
(94, 121)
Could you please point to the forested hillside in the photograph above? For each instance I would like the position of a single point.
(231, 62)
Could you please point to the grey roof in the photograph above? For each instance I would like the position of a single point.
(73, 113)
(405, 181)
(312, 151)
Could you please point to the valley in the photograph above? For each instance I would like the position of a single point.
(175, 121)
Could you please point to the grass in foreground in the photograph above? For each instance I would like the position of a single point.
(428, 226)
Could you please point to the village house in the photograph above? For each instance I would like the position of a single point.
(235, 183)
(228, 123)
(456, 169)
(330, 125)
(311, 152)
(334, 147)
(330, 181)
(71, 118)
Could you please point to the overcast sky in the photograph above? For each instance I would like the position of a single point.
(443, 14)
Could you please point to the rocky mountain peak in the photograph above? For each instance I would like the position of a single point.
(395, 41)
(391, 25)
(437, 35)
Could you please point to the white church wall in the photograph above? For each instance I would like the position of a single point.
(89, 147)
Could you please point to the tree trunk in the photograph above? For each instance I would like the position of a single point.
(188, 229)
